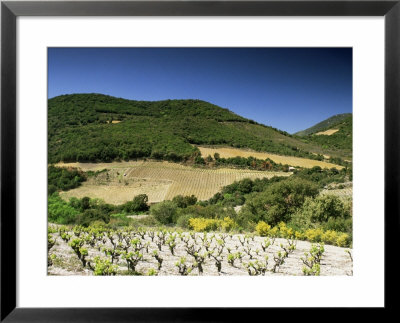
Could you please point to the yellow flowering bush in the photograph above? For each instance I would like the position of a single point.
(299, 235)
(330, 237)
(274, 232)
(342, 240)
(201, 224)
(313, 235)
(263, 228)
(227, 224)
(284, 231)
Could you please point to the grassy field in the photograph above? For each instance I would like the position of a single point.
(159, 180)
(227, 152)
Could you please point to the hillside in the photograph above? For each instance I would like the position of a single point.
(336, 133)
(96, 127)
(324, 125)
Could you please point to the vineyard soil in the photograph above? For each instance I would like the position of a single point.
(159, 180)
(335, 260)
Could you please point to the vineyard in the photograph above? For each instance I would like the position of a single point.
(227, 152)
(344, 190)
(158, 180)
(138, 251)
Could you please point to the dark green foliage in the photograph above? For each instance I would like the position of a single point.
(251, 163)
(340, 140)
(183, 220)
(91, 173)
(323, 177)
(340, 224)
(235, 193)
(80, 130)
(199, 160)
(279, 201)
(325, 125)
(164, 212)
(326, 211)
(92, 215)
(184, 201)
(139, 204)
(63, 179)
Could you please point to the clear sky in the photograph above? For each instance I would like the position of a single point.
(288, 88)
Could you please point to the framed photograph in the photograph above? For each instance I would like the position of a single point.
(228, 142)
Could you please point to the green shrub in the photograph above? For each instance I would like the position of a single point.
(63, 179)
(183, 220)
(119, 220)
(92, 215)
(144, 221)
(138, 204)
(279, 201)
(184, 201)
(60, 211)
(328, 211)
(164, 212)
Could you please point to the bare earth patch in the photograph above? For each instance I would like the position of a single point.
(227, 152)
(327, 132)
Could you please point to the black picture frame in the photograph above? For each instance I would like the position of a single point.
(10, 10)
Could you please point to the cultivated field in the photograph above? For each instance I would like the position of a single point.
(227, 152)
(159, 180)
(180, 253)
(344, 190)
(327, 132)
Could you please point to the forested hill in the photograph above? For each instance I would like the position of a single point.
(325, 124)
(96, 127)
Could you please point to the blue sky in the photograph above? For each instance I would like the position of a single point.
(288, 88)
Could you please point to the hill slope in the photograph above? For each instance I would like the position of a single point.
(96, 127)
(335, 133)
(324, 125)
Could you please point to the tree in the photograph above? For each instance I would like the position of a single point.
(321, 209)
(279, 200)
(164, 212)
(184, 201)
(85, 203)
(139, 202)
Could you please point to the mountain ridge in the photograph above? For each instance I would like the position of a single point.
(96, 127)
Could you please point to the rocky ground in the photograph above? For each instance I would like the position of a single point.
(335, 260)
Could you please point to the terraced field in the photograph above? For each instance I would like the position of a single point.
(227, 152)
(159, 180)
